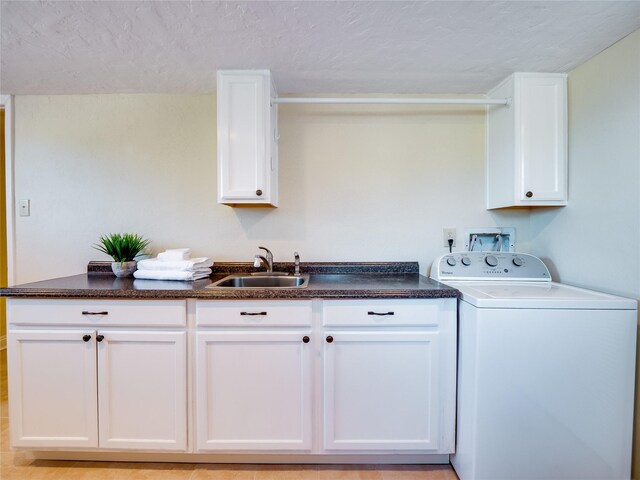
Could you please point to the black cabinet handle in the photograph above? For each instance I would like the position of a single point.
(329, 339)
(305, 339)
(381, 314)
(259, 192)
(95, 313)
(253, 313)
(529, 194)
(86, 338)
(99, 338)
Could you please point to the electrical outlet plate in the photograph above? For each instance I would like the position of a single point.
(448, 233)
(25, 207)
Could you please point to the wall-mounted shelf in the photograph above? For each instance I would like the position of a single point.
(392, 101)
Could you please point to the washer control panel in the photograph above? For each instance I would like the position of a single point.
(511, 266)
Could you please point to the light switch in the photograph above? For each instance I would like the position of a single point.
(25, 208)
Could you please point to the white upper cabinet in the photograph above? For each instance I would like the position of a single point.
(247, 138)
(527, 142)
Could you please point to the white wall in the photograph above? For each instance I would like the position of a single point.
(593, 242)
(357, 183)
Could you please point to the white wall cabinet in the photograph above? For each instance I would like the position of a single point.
(78, 383)
(247, 138)
(254, 382)
(389, 373)
(526, 142)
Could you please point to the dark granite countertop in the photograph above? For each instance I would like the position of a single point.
(327, 280)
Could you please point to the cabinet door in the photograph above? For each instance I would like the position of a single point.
(253, 391)
(381, 391)
(527, 142)
(142, 390)
(245, 138)
(52, 387)
(542, 141)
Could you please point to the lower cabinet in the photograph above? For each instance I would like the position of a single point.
(88, 386)
(254, 376)
(142, 390)
(278, 376)
(52, 389)
(253, 391)
(381, 391)
(389, 375)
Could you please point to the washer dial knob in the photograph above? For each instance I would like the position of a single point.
(517, 261)
(491, 260)
(466, 261)
(451, 261)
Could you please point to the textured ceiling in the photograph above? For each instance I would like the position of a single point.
(310, 46)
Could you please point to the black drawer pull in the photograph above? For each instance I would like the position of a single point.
(381, 314)
(94, 313)
(329, 339)
(99, 338)
(253, 313)
(86, 338)
(305, 339)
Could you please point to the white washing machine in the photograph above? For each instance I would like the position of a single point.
(545, 372)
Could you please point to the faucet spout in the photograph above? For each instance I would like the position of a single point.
(267, 261)
(296, 264)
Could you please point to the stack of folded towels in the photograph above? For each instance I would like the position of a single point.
(174, 264)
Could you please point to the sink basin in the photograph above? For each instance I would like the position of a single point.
(264, 281)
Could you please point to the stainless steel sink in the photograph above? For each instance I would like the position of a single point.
(262, 281)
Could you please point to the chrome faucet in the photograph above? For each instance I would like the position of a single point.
(296, 263)
(267, 260)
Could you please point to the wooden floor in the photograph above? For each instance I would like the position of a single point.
(22, 466)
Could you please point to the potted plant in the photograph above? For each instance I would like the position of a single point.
(123, 248)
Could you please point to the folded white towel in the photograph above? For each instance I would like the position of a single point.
(175, 254)
(141, 284)
(172, 274)
(178, 265)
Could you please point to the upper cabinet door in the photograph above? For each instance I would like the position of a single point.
(527, 142)
(247, 138)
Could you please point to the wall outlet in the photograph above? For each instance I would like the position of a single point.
(448, 233)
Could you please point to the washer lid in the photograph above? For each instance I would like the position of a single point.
(538, 295)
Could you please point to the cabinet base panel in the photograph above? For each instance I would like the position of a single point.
(403, 459)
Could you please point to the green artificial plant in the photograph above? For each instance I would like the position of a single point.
(122, 247)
